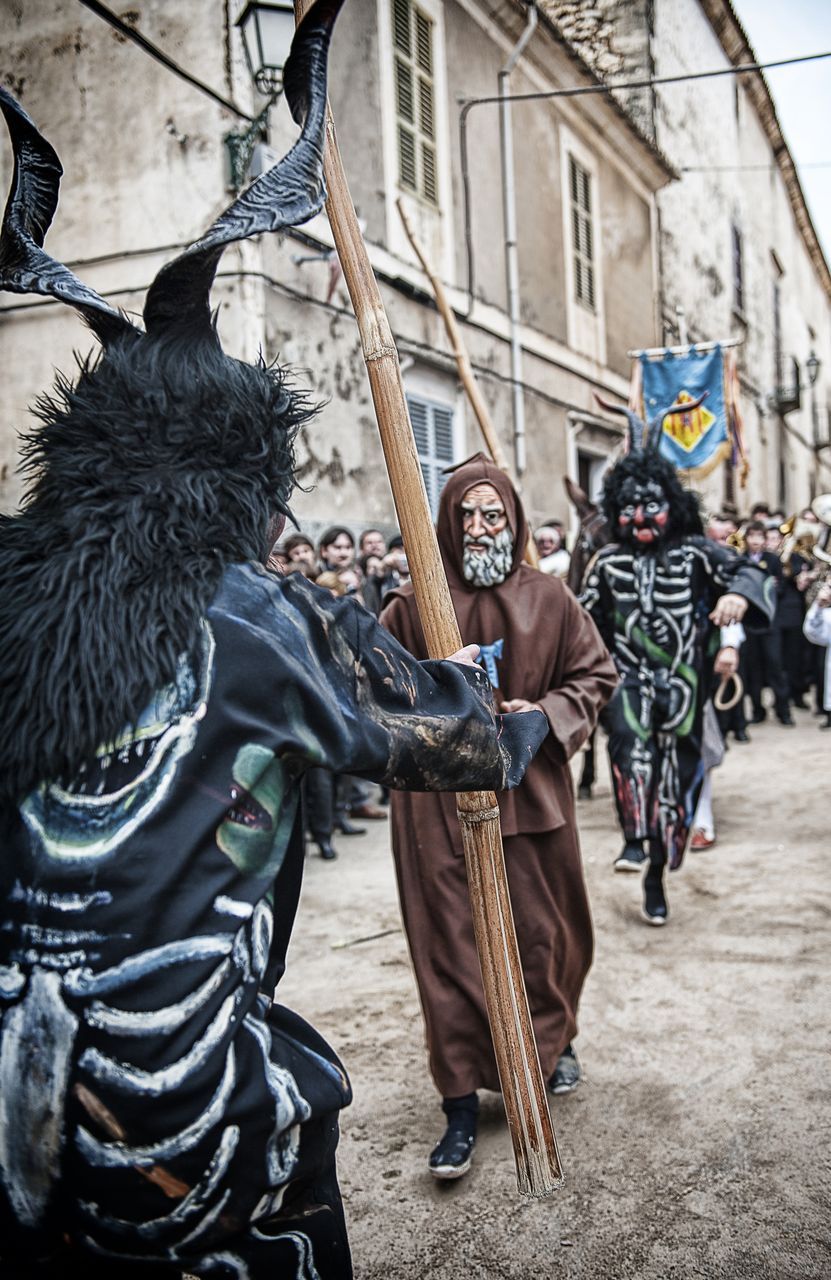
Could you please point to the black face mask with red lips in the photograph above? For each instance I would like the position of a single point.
(644, 513)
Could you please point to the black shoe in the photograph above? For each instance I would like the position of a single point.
(451, 1157)
(347, 828)
(741, 735)
(631, 857)
(326, 849)
(567, 1073)
(787, 720)
(584, 791)
(654, 909)
(759, 715)
(827, 722)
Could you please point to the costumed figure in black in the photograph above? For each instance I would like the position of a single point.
(658, 594)
(162, 695)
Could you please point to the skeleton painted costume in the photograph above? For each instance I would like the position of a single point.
(162, 696)
(650, 594)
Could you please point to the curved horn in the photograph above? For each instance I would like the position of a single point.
(636, 427)
(25, 267)
(656, 424)
(288, 194)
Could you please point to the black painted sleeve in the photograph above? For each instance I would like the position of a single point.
(430, 726)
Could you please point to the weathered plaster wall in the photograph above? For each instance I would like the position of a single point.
(145, 174)
(713, 128)
(627, 269)
(474, 63)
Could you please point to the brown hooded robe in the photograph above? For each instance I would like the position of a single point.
(553, 656)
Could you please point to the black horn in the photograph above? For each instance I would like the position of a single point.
(290, 193)
(25, 267)
(656, 424)
(636, 426)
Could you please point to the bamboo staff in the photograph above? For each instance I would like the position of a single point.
(466, 374)
(523, 1090)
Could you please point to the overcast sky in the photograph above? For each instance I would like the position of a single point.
(788, 29)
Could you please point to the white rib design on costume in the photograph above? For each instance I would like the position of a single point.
(86, 983)
(141, 1022)
(151, 1084)
(188, 1207)
(117, 1155)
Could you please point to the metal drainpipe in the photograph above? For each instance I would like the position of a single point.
(511, 251)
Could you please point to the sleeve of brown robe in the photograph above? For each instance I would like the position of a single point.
(587, 678)
(380, 714)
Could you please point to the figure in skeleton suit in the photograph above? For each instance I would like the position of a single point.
(658, 594)
(162, 696)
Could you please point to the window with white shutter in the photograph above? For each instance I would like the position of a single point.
(433, 431)
(582, 236)
(412, 35)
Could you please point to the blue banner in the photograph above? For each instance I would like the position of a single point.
(700, 438)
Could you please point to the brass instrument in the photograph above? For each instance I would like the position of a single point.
(736, 541)
(820, 553)
(799, 538)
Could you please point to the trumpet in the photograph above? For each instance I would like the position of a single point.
(813, 542)
(799, 537)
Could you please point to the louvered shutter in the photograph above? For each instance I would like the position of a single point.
(433, 431)
(582, 236)
(415, 102)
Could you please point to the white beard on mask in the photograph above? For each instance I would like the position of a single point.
(490, 567)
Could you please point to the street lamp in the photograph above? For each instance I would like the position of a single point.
(267, 28)
(788, 397)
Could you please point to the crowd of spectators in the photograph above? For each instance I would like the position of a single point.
(368, 571)
(788, 659)
(337, 804)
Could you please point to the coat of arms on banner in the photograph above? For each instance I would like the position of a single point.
(697, 441)
(688, 430)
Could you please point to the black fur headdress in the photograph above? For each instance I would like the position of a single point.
(161, 464)
(644, 462)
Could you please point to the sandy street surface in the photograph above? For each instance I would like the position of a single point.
(698, 1144)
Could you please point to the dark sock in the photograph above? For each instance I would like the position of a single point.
(468, 1102)
(653, 887)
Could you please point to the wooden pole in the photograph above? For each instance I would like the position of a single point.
(466, 374)
(523, 1089)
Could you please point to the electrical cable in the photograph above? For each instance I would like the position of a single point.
(415, 344)
(124, 29)
(748, 168)
(579, 91)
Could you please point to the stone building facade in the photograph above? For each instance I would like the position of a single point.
(738, 252)
(146, 171)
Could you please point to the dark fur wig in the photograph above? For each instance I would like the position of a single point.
(164, 463)
(684, 512)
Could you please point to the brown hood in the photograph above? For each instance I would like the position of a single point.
(449, 525)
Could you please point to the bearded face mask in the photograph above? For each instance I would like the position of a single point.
(490, 567)
(644, 513)
(487, 539)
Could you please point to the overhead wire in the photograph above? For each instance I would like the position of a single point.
(147, 46)
(132, 33)
(606, 87)
(403, 340)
